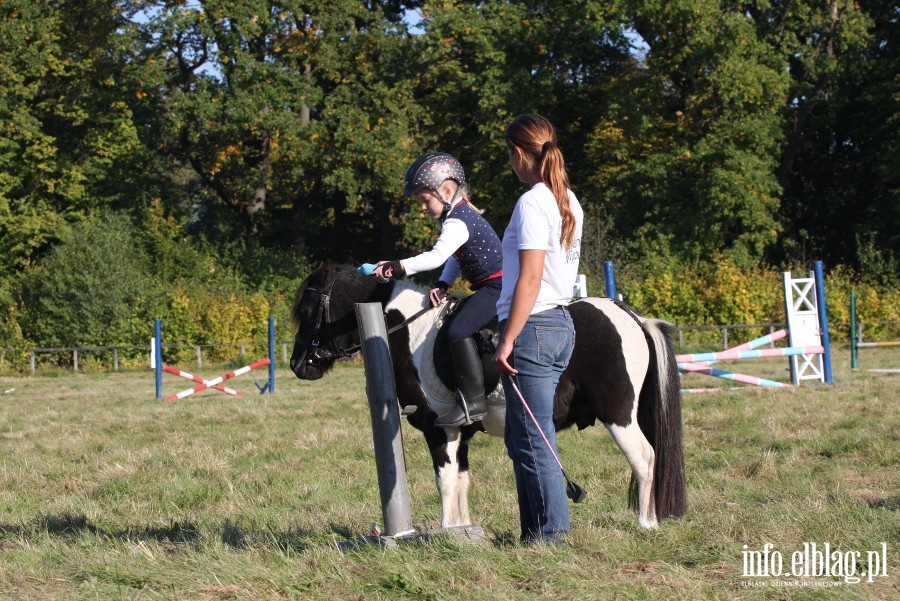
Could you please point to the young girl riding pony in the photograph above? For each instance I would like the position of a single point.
(467, 245)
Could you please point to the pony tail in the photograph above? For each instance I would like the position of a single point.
(553, 173)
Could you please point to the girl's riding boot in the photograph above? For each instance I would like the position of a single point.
(471, 405)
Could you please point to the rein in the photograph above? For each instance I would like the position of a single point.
(397, 327)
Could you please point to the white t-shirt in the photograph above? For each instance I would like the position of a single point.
(537, 225)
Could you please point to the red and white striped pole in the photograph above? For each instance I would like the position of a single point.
(188, 376)
(219, 380)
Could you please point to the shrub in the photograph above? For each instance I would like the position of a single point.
(718, 292)
(90, 289)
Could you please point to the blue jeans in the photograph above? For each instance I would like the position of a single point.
(540, 354)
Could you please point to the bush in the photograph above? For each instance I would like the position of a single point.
(876, 304)
(92, 289)
(718, 292)
(106, 282)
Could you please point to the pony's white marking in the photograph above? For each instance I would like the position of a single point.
(641, 458)
(634, 346)
(448, 480)
(452, 484)
(409, 299)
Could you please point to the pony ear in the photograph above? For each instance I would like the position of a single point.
(326, 270)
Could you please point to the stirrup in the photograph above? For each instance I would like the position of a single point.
(460, 415)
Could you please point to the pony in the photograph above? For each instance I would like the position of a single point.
(622, 373)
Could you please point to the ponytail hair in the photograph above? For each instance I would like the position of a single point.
(536, 137)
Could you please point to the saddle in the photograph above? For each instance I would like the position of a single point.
(486, 340)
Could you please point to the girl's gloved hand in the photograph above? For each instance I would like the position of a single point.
(438, 294)
(386, 270)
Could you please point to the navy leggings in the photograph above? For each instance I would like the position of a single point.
(476, 312)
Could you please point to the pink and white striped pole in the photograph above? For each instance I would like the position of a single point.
(749, 354)
(219, 380)
(762, 340)
(700, 362)
(756, 342)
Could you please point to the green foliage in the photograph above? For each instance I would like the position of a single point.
(240, 142)
(715, 292)
(721, 292)
(875, 303)
(840, 139)
(107, 281)
(689, 147)
(93, 289)
(295, 117)
(66, 127)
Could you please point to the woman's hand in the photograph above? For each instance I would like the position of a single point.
(501, 358)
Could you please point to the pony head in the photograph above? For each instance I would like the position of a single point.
(325, 317)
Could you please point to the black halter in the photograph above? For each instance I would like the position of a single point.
(323, 318)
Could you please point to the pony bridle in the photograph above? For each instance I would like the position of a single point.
(317, 355)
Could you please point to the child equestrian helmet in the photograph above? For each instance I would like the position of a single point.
(430, 170)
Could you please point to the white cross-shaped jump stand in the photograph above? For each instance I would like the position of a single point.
(803, 326)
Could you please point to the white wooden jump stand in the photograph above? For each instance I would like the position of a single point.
(805, 326)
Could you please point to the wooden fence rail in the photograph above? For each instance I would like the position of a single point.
(75, 351)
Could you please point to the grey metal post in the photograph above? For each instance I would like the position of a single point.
(385, 411)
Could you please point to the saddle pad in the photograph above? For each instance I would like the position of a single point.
(439, 396)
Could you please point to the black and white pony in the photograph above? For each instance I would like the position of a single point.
(622, 373)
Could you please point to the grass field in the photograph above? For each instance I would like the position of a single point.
(106, 493)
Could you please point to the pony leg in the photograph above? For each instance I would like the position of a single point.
(462, 498)
(452, 485)
(642, 460)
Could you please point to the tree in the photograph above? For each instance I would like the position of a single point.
(842, 158)
(67, 130)
(480, 64)
(294, 115)
(689, 149)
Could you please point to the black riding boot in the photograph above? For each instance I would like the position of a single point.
(470, 402)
